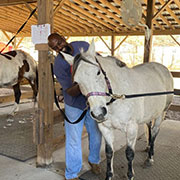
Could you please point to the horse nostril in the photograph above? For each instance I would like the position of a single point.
(92, 114)
(104, 111)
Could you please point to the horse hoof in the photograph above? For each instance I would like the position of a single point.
(108, 177)
(131, 178)
(148, 163)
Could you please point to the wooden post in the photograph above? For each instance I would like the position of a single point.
(149, 17)
(45, 104)
(112, 45)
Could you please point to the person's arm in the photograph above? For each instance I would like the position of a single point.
(64, 78)
(73, 90)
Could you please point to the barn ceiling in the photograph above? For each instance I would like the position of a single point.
(90, 17)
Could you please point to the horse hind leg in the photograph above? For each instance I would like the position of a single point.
(153, 131)
(148, 135)
(34, 88)
(131, 136)
(17, 95)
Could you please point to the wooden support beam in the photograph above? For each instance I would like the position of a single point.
(31, 9)
(60, 4)
(45, 103)
(90, 16)
(105, 43)
(5, 33)
(108, 13)
(171, 13)
(130, 33)
(148, 42)
(177, 2)
(162, 17)
(10, 98)
(15, 2)
(72, 26)
(66, 18)
(98, 14)
(79, 17)
(19, 42)
(162, 9)
(175, 40)
(175, 74)
(113, 41)
(121, 42)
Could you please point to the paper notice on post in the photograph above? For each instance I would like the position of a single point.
(40, 33)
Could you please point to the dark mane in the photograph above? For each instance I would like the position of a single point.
(118, 62)
(76, 62)
(9, 54)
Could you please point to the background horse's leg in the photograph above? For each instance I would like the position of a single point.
(17, 95)
(132, 130)
(34, 88)
(108, 135)
(154, 132)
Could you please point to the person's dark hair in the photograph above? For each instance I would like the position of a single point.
(55, 36)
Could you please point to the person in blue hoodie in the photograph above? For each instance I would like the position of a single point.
(74, 103)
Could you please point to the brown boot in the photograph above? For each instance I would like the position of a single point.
(95, 168)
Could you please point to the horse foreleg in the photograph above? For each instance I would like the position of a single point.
(131, 135)
(17, 95)
(109, 139)
(154, 132)
(109, 157)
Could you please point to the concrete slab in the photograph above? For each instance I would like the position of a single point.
(15, 170)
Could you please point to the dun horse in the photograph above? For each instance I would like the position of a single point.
(109, 86)
(14, 66)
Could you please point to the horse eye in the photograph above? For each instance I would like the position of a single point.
(98, 73)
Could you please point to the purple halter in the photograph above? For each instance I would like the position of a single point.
(77, 59)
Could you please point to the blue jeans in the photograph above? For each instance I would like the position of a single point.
(73, 141)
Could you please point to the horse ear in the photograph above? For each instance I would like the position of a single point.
(91, 49)
(68, 58)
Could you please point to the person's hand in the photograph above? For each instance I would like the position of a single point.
(74, 90)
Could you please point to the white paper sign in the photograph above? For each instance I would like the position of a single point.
(40, 33)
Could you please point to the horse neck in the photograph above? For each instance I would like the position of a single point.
(111, 68)
(118, 76)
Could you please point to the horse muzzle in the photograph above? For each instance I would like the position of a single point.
(99, 114)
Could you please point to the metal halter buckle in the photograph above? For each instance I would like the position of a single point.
(116, 96)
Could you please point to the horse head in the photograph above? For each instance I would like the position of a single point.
(88, 74)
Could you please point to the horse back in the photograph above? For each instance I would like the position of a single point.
(14, 66)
